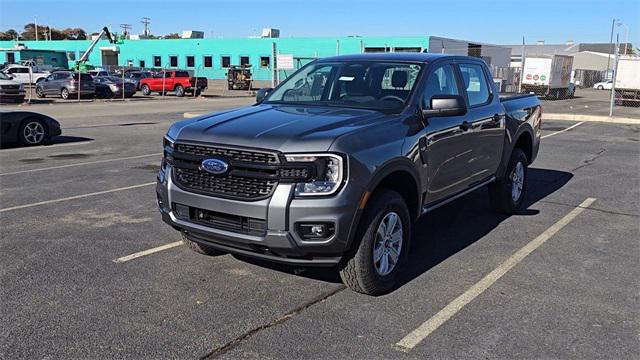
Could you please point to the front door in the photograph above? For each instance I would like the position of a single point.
(444, 144)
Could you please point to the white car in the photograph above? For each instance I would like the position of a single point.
(603, 85)
(20, 73)
(10, 90)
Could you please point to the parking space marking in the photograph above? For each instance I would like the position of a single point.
(80, 164)
(147, 252)
(563, 130)
(415, 337)
(23, 149)
(53, 201)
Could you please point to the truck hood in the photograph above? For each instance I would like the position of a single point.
(284, 128)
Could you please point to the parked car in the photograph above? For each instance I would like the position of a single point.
(136, 76)
(177, 81)
(10, 89)
(111, 86)
(333, 166)
(95, 73)
(27, 128)
(603, 85)
(20, 73)
(65, 85)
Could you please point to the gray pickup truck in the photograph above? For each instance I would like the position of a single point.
(333, 166)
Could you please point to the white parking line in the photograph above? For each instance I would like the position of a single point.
(45, 147)
(75, 197)
(415, 337)
(80, 164)
(147, 252)
(563, 130)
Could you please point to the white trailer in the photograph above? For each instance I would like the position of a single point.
(627, 84)
(548, 76)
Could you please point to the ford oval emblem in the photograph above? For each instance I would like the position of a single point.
(214, 166)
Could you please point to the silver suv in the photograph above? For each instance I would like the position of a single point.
(66, 84)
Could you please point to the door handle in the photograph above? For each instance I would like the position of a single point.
(465, 126)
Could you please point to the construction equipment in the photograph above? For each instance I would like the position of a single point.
(239, 77)
(81, 64)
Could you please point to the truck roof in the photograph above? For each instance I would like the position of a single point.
(412, 57)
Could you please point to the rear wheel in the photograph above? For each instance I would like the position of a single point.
(200, 248)
(507, 194)
(179, 91)
(383, 246)
(145, 90)
(600, 87)
(64, 94)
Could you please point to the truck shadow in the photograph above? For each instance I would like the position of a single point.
(56, 140)
(447, 230)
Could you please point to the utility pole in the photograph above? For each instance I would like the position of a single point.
(146, 22)
(522, 56)
(35, 23)
(125, 29)
(615, 70)
(613, 24)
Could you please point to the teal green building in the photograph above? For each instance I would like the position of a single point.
(211, 57)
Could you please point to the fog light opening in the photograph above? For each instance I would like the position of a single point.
(315, 231)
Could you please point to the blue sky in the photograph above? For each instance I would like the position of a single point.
(497, 21)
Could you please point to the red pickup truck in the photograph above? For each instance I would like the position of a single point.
(178, 81)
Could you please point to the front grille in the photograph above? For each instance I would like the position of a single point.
(228, 222)
(11, 87)
(227, 186)
(250, 156)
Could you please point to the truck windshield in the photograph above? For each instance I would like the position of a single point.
(362, 84)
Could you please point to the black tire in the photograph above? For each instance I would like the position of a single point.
(145, 90)
(501, 191)
(64, 94)
(200, 248)
(40, 93)
(179, 91)
(31, 140)
(198, 92)
(358, 270)
(600, 87)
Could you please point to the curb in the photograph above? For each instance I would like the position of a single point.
(592, 118)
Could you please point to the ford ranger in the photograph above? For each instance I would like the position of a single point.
(333, 166)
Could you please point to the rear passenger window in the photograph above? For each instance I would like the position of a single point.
(441, 81)
(475, 84)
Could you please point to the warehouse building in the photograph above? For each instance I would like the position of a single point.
(212, 57)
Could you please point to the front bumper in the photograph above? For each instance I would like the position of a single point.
(12, 94)
(280, 242)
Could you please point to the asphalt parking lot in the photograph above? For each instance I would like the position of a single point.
(73, 212)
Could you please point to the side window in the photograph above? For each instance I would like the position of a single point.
(475, 84)
(441, 81)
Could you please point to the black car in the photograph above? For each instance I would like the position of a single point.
(27, 128)
(111, 86)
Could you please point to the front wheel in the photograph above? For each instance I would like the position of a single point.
(64, 94)
(384, 234)
(600, 87)
(40, 92)
(507, 194)
(179, 91)
(145, 90)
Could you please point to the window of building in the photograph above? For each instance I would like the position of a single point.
(208, 61)
(141, 64)
(265, 61)
(191, 61)
(225, 61)
(244, 60)
(375, 49)
(11, 57)
(173, 61)
(157, 61)
(407, 49)
(475, 83)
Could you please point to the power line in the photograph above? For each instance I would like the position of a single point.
(125, 28)
(146, 22)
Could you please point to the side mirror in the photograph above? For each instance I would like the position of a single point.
(446, 105)
(262, 93)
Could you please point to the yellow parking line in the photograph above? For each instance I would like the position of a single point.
(415, 337)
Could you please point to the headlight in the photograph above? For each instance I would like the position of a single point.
(329, 174)
(167, 146)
